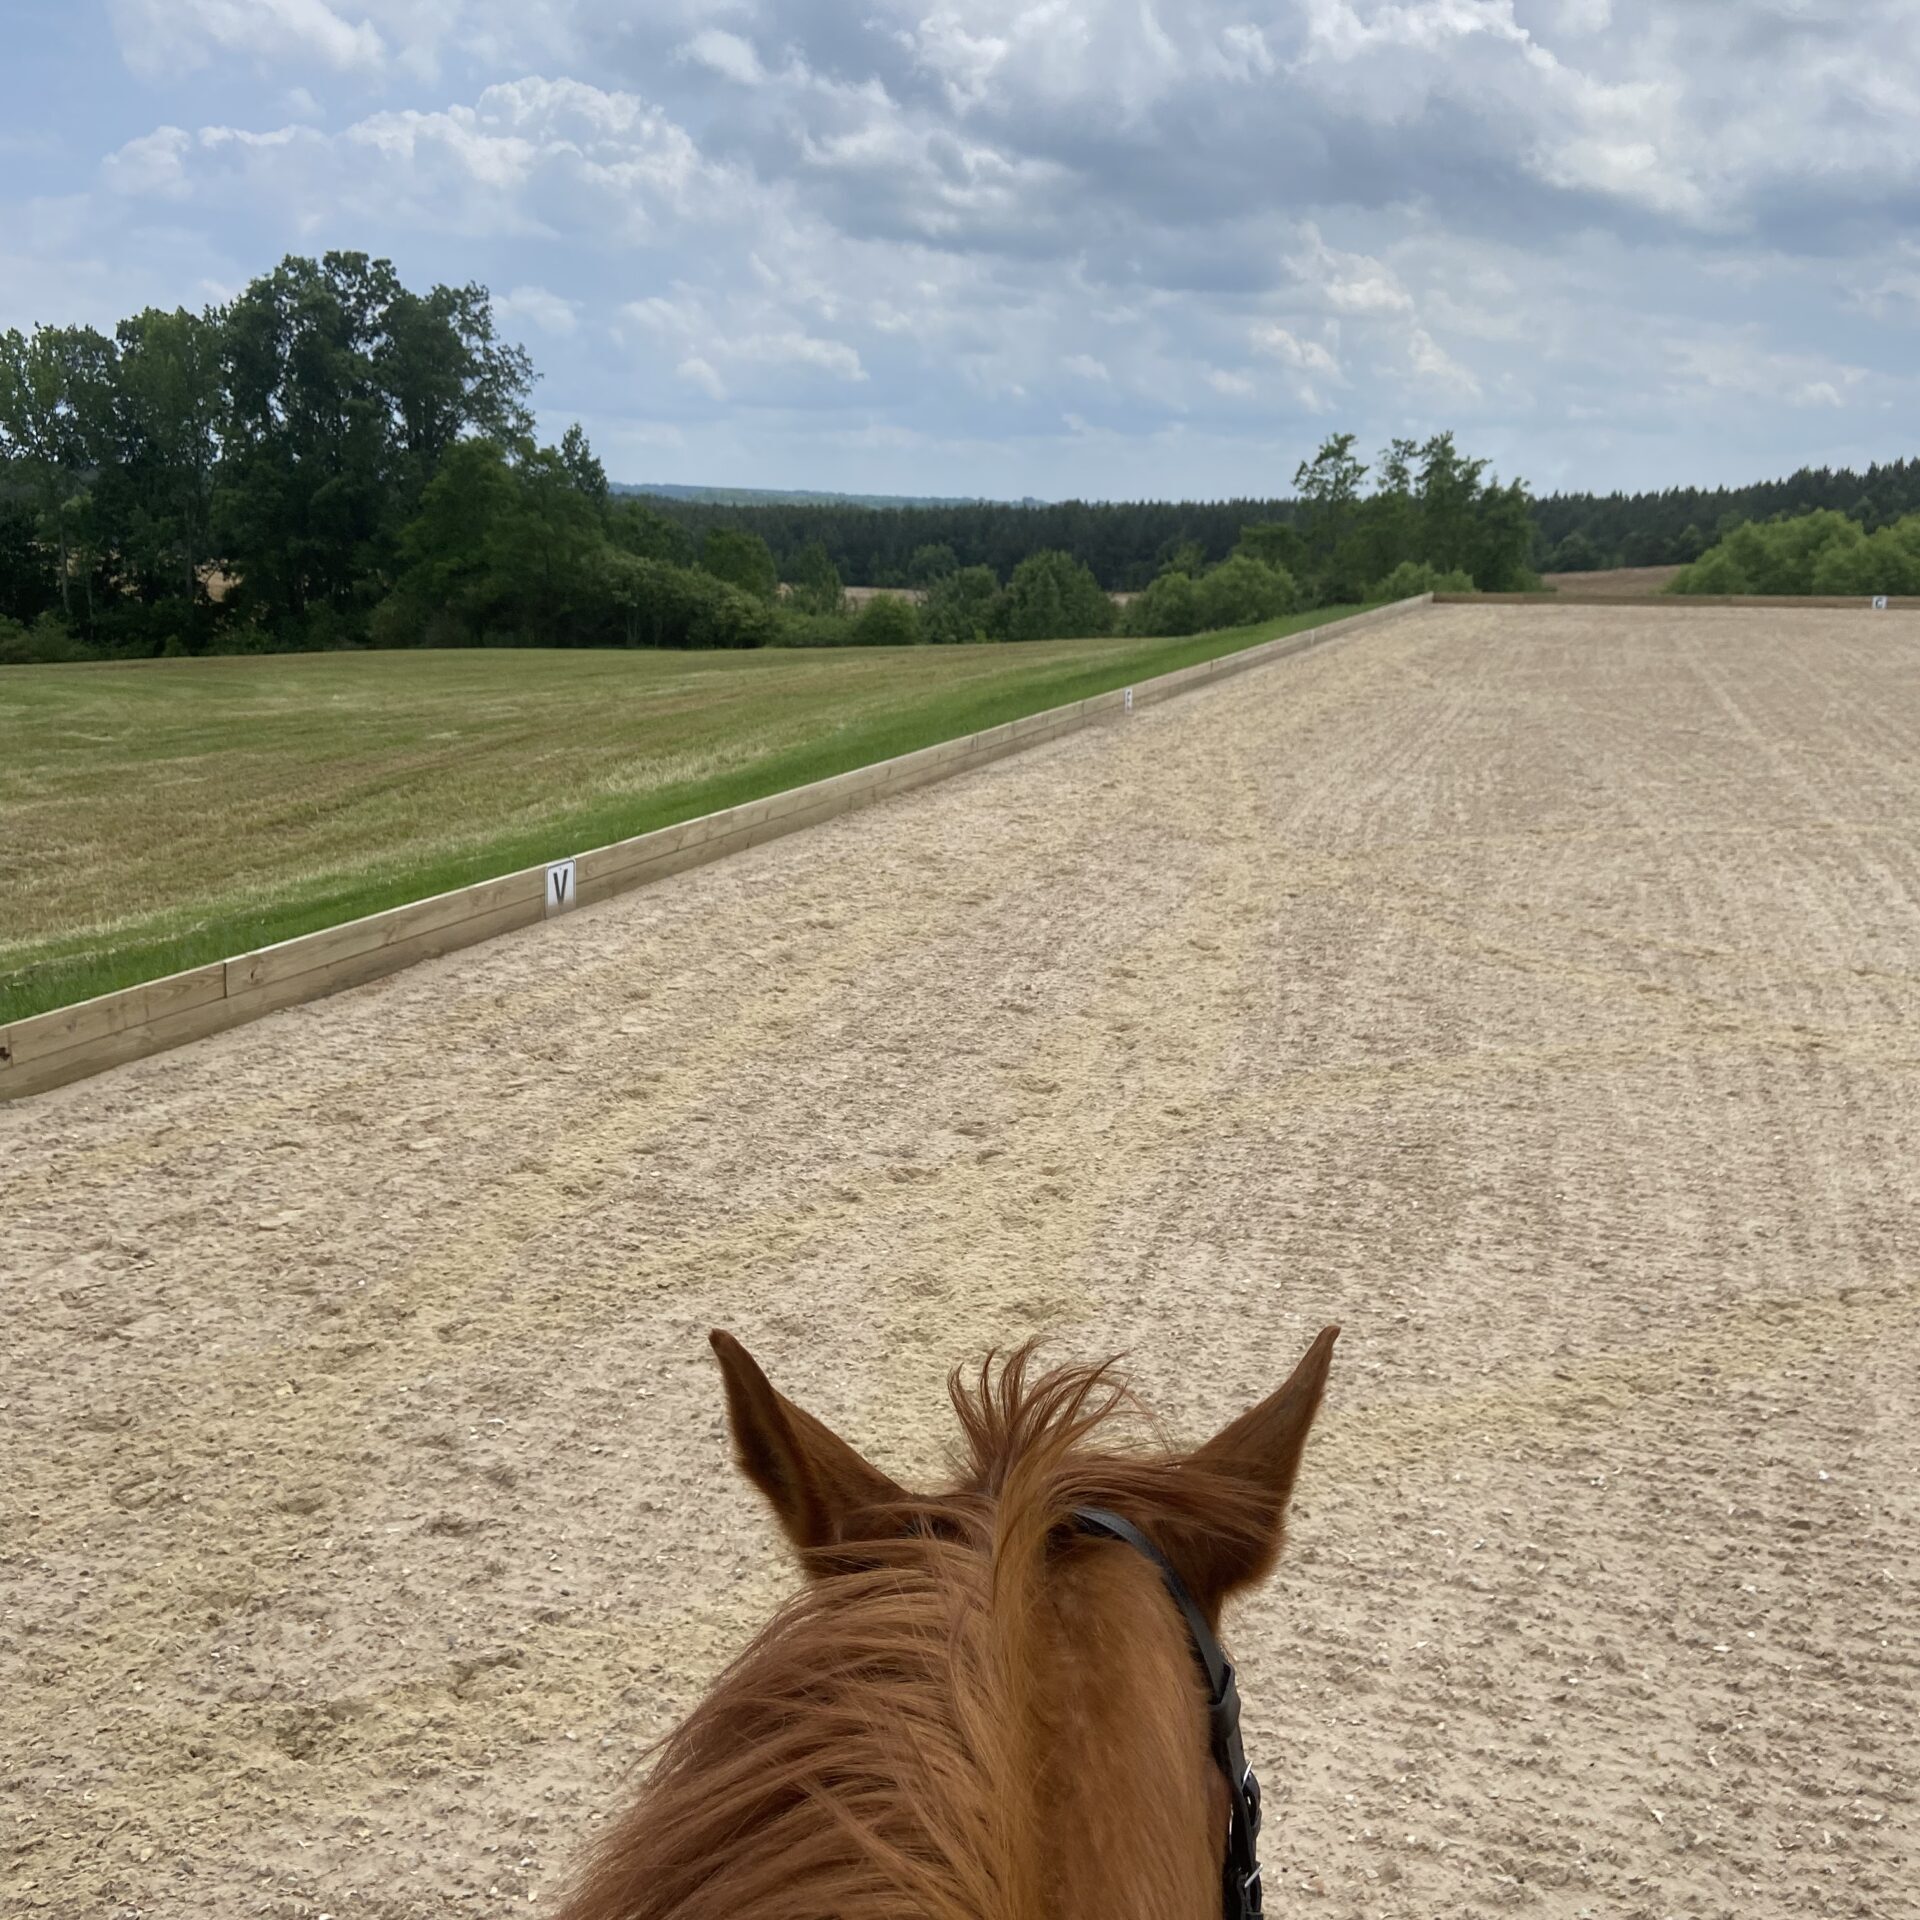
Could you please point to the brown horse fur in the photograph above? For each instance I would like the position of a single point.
(970, 1712)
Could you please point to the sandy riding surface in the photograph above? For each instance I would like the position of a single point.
(1534, 991)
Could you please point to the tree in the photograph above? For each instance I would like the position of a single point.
(635, 528)
(816, 584)
(961, 607)
(158, 495)
(582, 467)
(1329, 489)
(1052, 596)
(28, 586)
(929, 563)
(1275, 544)
(345, 392)
(56, 388)
(452, 549)
(743, 560)
(438, 366)
(1575, 554)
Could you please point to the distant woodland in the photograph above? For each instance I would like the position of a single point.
(333, 459)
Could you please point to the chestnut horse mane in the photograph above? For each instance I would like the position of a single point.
(870, 1755)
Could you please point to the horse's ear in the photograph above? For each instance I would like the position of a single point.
(820, 1489)
(1259, 1453)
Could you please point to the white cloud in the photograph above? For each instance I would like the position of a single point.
(1306, 356)
(702, 375)
(1348, 283)
(153, 164)
(795, 349)
(161, 39)
(539, 308)
(727, 55)
(1738, 361)
(1432, 364)
(530, 156)
(1083, 366)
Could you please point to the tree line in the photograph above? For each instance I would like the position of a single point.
(333, 459)
(1429, 504)
(1822, 552)
(1577, 532)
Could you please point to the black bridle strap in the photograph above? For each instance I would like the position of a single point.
(1240, 1871)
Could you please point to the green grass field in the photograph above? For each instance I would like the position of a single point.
(162, 813)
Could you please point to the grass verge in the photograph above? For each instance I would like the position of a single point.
(156, 815)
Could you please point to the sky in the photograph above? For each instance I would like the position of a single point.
(1093, 248)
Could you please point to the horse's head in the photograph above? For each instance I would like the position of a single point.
(1094, 1641)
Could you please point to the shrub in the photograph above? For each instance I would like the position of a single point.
(649, 603)
(1821, 552)
(1716, 571)
(1881, 563)
(795, 628)
(1241, 590)
(1416, 576)
(887, 620)
(1407, 579)
(1170, 607)
(46, 642)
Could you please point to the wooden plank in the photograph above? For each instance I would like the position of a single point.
(602, 865)
(253, 997)
(607, 883)
(334, 947)
(1679, 602)
(115, 1048)
(42, 1034)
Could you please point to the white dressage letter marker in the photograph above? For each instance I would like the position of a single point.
(1129, 699)
(559, 887)
(1879, 603)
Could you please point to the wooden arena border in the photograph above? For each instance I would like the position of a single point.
(50, 1049)
(1680, 602)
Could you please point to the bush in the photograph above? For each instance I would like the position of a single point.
(1241, 590)
(963, 606)
(799, 629)
(48, 641)
(1716, 571)
(1821, 552)
(887, 620)
(1053, 597)
(1880, 563)
(1411, 577)
(649, 603)
(1169, 608)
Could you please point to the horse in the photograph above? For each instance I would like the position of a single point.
(1000, 1702)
